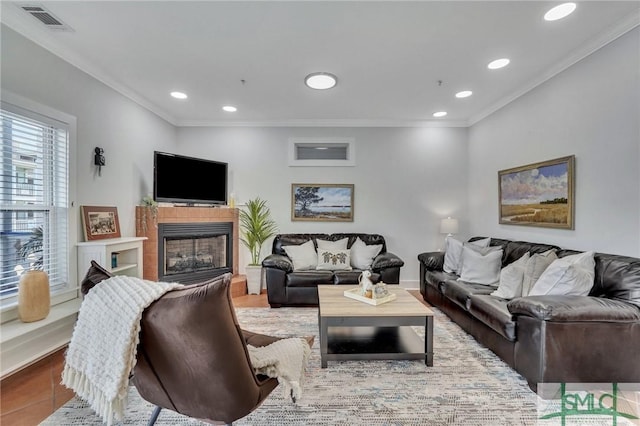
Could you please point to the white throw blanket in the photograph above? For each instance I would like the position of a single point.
(102, 351)
(284, 359)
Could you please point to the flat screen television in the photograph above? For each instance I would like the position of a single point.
(180, 179)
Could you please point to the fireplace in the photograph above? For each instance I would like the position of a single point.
(193, 252)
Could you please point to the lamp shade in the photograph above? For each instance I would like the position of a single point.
(449, 226)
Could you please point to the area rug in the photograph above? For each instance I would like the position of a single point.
(467, 385)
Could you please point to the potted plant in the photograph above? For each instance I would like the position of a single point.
(256, 227)
(149, 208)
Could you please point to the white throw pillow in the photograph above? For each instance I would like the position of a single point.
(536, 265)
(570, 275)
(362, 255)
(453, 253)
(304, 256)
(334, 260)
(511, 277)
(480, 265)
(333, 245)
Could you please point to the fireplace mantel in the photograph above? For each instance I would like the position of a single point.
(180, 215)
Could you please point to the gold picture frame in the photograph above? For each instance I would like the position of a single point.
(100, 222)
(539, 194)
(327, 202)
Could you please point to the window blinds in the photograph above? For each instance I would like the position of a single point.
(34, 188)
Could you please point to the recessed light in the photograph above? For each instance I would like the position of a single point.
(464, 94)
(229, 108)
(179, 95)
(321, 80)
(439, 114)
(561, 11)
(322, 147)
(498, 63)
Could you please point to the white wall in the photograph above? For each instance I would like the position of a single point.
(127, 132)
(406, 179)
(591, 110)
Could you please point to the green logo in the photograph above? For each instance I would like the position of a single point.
(589, 403)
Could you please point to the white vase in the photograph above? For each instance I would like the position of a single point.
(254, 279)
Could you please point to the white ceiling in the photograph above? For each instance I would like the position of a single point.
(388, 56)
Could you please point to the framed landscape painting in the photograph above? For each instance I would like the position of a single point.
(322, 202)
(100, 223)
(539, 194)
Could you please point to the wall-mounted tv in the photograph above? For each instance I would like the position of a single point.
(180, 179)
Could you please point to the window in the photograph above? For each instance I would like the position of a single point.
(34, 198)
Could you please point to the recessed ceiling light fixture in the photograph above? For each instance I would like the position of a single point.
(561, 11)
(464, 94)
(229, 108)
(439, 114)
(321, 80)
(179, 95)
(498, 63)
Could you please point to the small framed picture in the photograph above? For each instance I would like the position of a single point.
(100, 223)
(322, 202)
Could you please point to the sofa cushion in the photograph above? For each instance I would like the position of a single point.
(453, 253)
(437, 279)
(95, 275)
(480, 265)
(308, 278)
(493, 312)
(617, 277)
(362, 255)
(282, 240)
(334, 260)
(304, 256)
(570, 275)
(536, 265)
(574, 309)
(460, 291)
(332, 245)
(511, 277)
(514, 250)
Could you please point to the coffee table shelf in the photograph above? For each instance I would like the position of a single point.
(350, 330)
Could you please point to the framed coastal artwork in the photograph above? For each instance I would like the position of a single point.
(322, 202)
(100, 223)
(539, 194)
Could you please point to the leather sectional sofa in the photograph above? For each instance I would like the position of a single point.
(286, 287)
(549, 339)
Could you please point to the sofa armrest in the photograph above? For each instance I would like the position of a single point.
(433, 261)
(386, 260)
(574, 309)
(278, 261)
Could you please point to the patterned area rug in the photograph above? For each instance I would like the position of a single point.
(467, 385)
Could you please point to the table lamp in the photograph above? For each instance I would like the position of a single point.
(449, 226)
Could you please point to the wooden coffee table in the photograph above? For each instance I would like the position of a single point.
(354, 330)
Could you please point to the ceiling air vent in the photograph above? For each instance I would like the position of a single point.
(46, 17)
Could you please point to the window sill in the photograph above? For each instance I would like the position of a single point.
(25, 343)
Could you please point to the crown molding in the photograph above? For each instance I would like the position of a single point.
(622, 27)
(19, 22)
(325, 123)
(13, 18)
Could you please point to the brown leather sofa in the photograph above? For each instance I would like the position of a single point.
(286, 287)
(549, 339)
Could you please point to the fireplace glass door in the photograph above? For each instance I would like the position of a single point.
(184, 255)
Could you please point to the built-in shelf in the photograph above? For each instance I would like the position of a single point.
(127, 252)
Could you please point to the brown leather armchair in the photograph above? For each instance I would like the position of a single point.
(193, 359)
